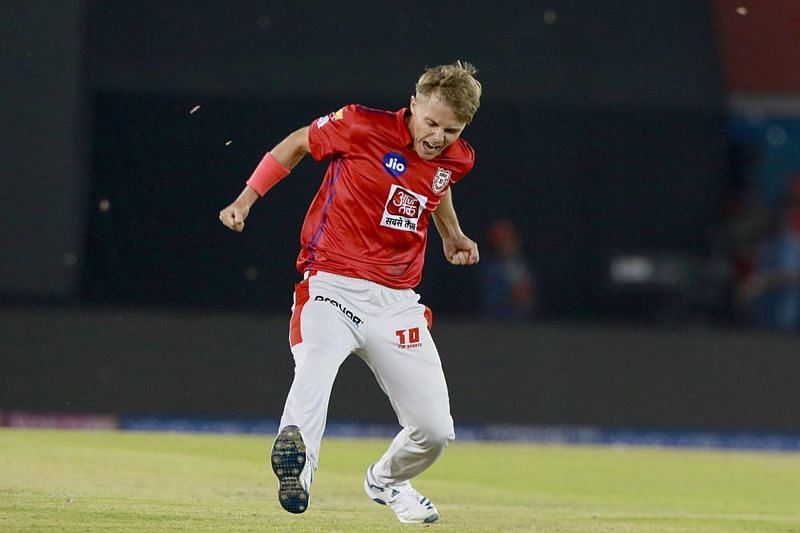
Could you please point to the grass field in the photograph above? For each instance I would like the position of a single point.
(118, 481)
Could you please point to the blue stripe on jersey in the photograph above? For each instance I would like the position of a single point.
(315, 238)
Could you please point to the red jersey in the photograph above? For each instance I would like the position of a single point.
(370, 216)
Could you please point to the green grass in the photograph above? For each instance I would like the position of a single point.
(117, 481)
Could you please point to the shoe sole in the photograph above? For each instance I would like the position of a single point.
(429, 520)
(288, 458)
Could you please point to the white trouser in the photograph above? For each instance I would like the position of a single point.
(334, 316)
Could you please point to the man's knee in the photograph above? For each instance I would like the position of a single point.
(434, 435)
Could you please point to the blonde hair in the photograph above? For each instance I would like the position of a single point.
(455, 84)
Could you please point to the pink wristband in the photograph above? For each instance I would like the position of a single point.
(268, 172)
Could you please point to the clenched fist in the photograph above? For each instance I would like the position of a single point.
(461, 250)
(233, 216)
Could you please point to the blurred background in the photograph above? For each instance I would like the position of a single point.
(636, 198)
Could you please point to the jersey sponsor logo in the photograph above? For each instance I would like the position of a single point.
(441, 179)
(408, 338)
(348, 313)
(403, 209)
(395, 164)
(321, 121)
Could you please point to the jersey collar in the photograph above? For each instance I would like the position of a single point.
(405, 134)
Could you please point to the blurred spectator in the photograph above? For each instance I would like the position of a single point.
(771, 294)
(509, 285)
(734, 246)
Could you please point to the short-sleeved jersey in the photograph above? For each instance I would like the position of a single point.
(370, 216)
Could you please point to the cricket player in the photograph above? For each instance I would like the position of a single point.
(363, 247)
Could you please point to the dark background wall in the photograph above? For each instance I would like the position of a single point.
(602, 130)
(44, 132)
(233, 364)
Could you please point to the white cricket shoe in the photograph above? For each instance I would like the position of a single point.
(294, 474)
(410, 506)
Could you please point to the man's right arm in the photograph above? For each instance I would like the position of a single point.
(292, 149)
(287, 154)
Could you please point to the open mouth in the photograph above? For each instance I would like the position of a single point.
(430, 147)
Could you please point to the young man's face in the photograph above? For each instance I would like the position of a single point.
(433, 125)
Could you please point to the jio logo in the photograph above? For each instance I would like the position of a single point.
(395, 164)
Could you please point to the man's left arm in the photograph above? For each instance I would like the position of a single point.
(458, 248)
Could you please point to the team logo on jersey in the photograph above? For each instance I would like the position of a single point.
(441, 179)
(403, 209)
(337, 115)
(395, 164)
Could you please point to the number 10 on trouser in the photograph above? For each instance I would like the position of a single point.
(406, 337)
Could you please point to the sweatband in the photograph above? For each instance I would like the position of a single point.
(268, 172)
